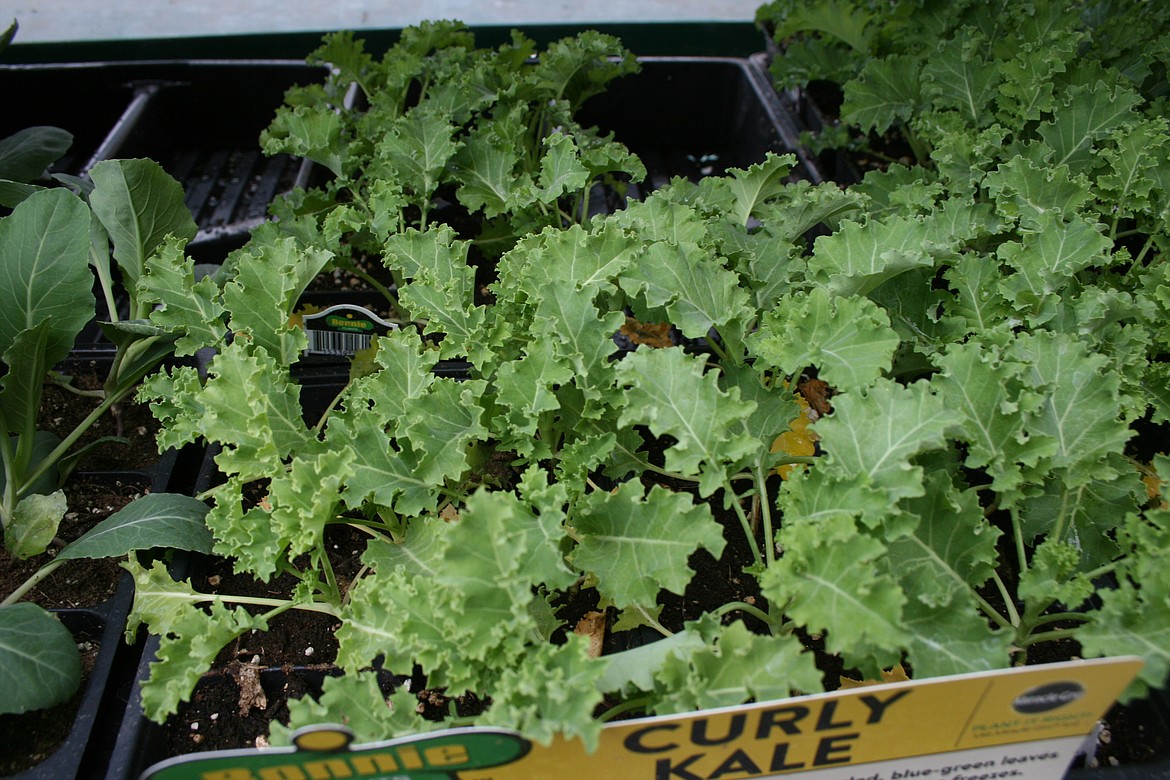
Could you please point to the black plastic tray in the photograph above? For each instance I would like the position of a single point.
(201, 120)
(697, 116)
(90, 738)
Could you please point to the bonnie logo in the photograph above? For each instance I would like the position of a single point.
(1047, 697)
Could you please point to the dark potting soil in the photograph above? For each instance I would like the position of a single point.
(28, 739)
(82, 582)
(62, 410)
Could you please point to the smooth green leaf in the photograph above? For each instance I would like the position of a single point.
(828, 580)
(589, 260)
(34, 523)
(12, 193)
(957, 77)
(885, 92)
(1034, 195)
(845, 21)
(417, 148)
(486, 170)
(986, 389)
(1084, 516)
(27, 153)
(693, 289)
(857, 258)
(1088, 113)
(527, 389)
(638, 667)
(861, 438)
(39, 663)
(561, 170)
(155, 520)
(956, 639)
(1132, 621)
(1045, 261)
(950, 550)
(582, 337)
(45, 274)
(21, 388)
(753, 186)
(1080, 403)
(139, 204)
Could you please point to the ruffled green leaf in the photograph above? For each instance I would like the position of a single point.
(670, 393)
(848, 339)
(828, 579)
(179, 304)
(636, 544)
(731, 667)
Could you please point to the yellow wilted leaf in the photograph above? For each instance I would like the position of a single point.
(798, 440)
(1152, 481)
(297, 319)
(897, 674)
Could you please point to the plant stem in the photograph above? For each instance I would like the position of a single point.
(742, 606)
(1144, 251)
(1048, 636)
(921, 150)
(744, 522)
(1062, 518)
(330, 577)
(1013, 614)
(58, 453)
(328, 409)
(37, 576)
(626, 706)
(766, 513)
(717, 349)
(991, 612)
(102, 267)
(281, 605)
(384, 291)
(1021, 550)
(650, 621)
(8, 499)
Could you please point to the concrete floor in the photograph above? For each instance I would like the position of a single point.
(84, 20)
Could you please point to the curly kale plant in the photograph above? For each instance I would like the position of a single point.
(438, 129)
(992, 324)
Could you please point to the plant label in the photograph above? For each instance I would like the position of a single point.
(1018, 723)
(343, 329)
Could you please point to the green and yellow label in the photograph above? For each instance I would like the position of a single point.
(1016, 723)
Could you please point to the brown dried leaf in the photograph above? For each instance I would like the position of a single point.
(247, 677)
(652, 334)
(592, 627)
